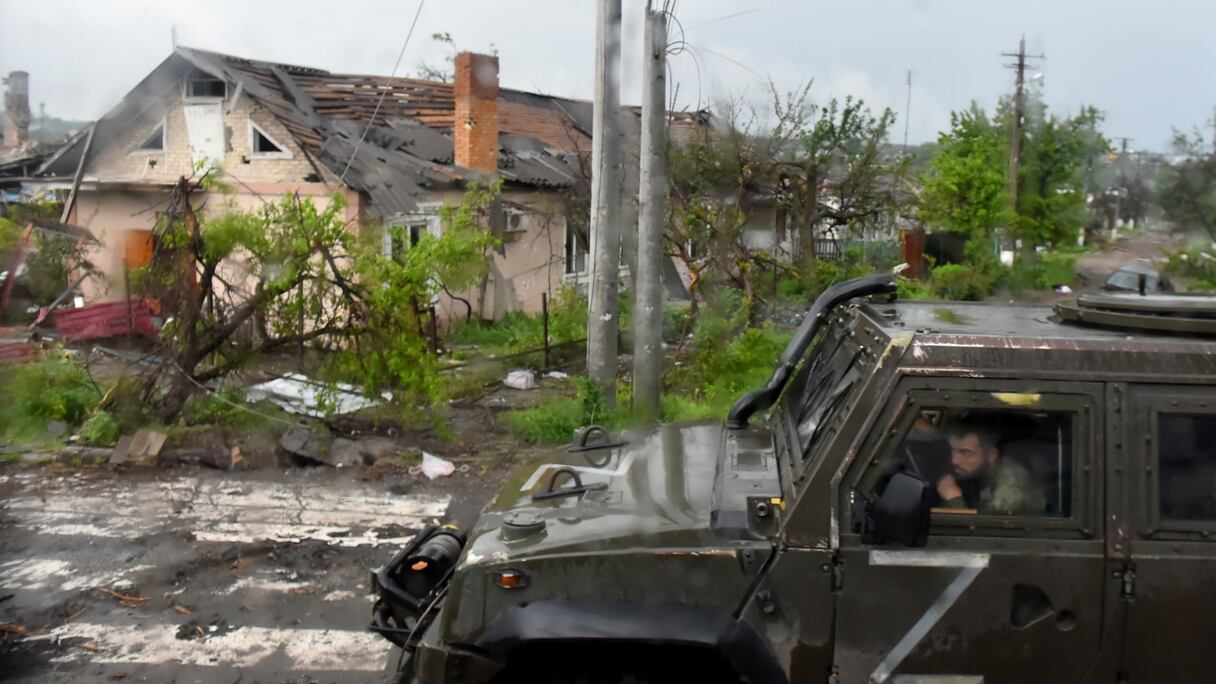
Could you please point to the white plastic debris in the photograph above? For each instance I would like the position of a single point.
(433, 466)
(520, 379)
(557, 375)
(1063, 289)
(298, 394)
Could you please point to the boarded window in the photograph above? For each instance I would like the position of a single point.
(137, 249)
(205, 129)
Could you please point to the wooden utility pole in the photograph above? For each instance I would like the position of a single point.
(603, 307)
(652, 199)
(1015, 144)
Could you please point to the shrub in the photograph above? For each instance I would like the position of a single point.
(960, 282)
(1196, 266)
(55, 387)
(100, 430)
(913, 290)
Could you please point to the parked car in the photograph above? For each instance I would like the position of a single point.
(936, 492)
(1136, 276)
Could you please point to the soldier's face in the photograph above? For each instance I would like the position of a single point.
(968, 458)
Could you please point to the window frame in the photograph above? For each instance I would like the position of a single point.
(140, 151)
(283, 153)
(420, 219)
(200, 75)
(567, 272)
(1149, 402)
(916, 394)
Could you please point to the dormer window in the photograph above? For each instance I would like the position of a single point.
(263, 146)
(206, 86)
(154, 142)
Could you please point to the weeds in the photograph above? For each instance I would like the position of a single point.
(54, 388)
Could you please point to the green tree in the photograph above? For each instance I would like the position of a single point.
(965, 188)
(1188, 190)
(240, 284)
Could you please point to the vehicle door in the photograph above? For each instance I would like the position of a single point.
(1010, 585)
(1170, 577)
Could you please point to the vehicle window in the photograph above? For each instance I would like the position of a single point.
(1186, 451)
(830, 379)
(990, 462)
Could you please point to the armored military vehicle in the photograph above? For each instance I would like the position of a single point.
(923, 492)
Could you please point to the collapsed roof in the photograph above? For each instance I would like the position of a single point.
(389, 137)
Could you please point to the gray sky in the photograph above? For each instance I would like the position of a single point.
(1147, 64)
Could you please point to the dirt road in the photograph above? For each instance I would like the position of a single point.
(202, 576)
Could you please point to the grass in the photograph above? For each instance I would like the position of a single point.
(703, 387)
(55, 387)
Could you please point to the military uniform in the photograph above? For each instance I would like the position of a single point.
(1010, 491)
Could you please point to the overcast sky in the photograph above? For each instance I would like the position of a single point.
(1148, 65)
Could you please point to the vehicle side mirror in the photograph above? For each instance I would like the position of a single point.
(901, 514)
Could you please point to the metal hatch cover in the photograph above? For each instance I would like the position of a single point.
(1172, 313)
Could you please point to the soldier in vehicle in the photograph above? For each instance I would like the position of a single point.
(980, 479)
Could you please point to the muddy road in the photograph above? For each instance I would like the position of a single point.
(194, 575)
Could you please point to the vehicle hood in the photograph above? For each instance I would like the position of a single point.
(660, 492)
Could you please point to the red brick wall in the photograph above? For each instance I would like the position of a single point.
(475, 129)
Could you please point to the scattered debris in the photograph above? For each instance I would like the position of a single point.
(343, 453)
(128, 600)
(220, 458)
(14, 628)
(1062, 289)
(106, 319)
(434, 467)
(144, 446)
(557, 375)
(522, 379)
(180, 609)
(297, 394)
(90, 646)
(78, 455)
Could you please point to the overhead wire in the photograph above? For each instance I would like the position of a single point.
(383, 93)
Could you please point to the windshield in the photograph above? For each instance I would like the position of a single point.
(825, 384)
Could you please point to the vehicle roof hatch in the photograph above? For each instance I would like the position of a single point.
(1158, 313)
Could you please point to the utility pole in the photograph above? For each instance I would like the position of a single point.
(652, 199)
(603, 307)
(1015, 144)
(907, 112)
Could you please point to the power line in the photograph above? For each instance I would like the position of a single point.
(383, 93)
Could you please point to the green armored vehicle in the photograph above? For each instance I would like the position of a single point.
(938, 493)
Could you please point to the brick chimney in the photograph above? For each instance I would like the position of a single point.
(16, 109)
(475, 128)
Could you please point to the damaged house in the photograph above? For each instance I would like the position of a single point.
(397, 149)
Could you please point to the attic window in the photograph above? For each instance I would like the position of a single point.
(263, 146)
(155, 142)
(205, 86)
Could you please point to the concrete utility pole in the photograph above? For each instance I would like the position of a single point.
(652, 198)
(603, 307)
(1015, 145)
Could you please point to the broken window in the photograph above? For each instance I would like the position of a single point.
(575, 252)
(205, 85)
(403, 237)
(262, 145)
(155, 142)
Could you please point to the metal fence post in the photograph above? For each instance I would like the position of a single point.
(544, 313)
